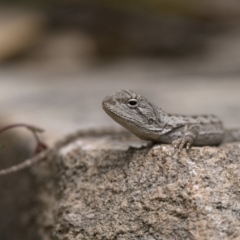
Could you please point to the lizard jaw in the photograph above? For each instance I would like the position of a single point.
(128, 123)
(119, 118)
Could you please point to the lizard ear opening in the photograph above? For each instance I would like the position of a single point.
(132, 103)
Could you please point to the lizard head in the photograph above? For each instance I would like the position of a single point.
(134, 112)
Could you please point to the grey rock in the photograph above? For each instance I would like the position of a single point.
(102, 188)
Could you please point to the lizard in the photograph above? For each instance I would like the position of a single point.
(149, 122)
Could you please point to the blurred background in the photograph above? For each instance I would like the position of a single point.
(59, 59)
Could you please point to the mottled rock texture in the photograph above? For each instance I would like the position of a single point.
(105, 189)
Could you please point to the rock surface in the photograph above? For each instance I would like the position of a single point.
(115, 186)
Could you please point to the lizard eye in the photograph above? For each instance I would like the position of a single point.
(150, 121)
(132, 103)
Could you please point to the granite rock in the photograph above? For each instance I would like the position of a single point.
(115, 186)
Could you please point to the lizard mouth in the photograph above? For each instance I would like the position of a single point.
(120, 118)
(132, 125)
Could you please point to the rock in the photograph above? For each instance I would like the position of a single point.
(100, 187)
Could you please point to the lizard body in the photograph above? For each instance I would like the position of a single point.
(148, 122)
